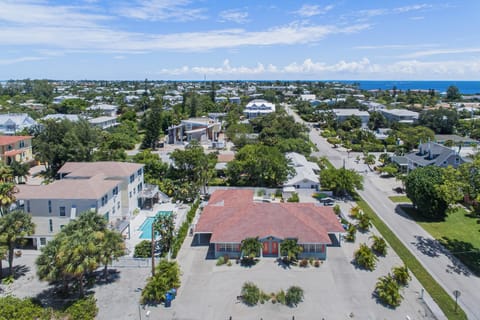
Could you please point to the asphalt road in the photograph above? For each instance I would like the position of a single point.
(447, 271)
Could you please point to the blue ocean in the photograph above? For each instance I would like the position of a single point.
(465, 87)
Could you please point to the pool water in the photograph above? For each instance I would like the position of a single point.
(146, 226)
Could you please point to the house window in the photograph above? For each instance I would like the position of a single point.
(62, 211)
(43, 241)
(139, 172)
(62, 226)
(228, 247)
(49, 206)
(28, 205)
(132, 178)
(50, 225)
(115, 191)
(457, 160)
(118, 205)
(21, 144)
(130, 194)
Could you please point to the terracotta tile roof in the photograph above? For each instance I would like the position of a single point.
(93, 188)
(6, 140)
(231, 216)
(106, 168)
(225, 157)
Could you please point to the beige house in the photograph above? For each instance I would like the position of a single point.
(15, 148)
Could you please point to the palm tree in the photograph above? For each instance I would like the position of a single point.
(379, 245)
(48, 266)
(111, 247)
(401, 275)
(19, 171)
(290, 249)
(251, 247)
(14, 227)
(388, 291)
(365, 258)
(7, 196)
(364, 221)
(165, 226)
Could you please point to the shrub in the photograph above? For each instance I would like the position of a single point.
(379, 245)
(355, 211)
(278, 193)
(351, 233)
(229, 263)
(303, 263)
(226, 258)
(183, 230)
(337, 210)
(220, 261)
(261, 192)
(167, 276)
(365, 258)
(8, 280)
(364, 221)
(387, 291)
(281, 297)
(401, 275)
(294, 198)
(317, 263)
(143, 249)
(16, 308)
(250, 293)
(83, 309)
(294, 296)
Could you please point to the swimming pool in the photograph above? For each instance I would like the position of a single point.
(146, 226)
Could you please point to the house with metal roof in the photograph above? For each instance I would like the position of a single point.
(258, 107)
(400, 115)
(11, 123)
(232, 216)
(306, 173)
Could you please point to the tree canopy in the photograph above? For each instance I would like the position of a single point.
(341, 181)
(420, 186)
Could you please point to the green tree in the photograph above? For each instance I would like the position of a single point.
(111, 247)
(387, 291)
(365, 258)
(364, 221)
(341, 181)
(251, 247)
(453, 94)
(143, 249)
(421, 187)
(154, 170)
(369, 159)
(164, 224)
(441, 121)
(152, 127)
(379, 245)
(19, 171)
(7, 190)
(290, 249)
(454, 185)
(14, 226)
(258, 165)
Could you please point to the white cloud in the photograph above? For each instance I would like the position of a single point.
(414, 7)
(395, 46)
(398, 10)
(310, 10)
(360, 69)
(234, 15)
(103, 39)
(427, 53)
(162, 10)
(19, 60)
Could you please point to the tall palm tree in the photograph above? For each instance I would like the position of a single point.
(48, 265)
(14, 227)
(7, 196)
(111, 247)
(251, 247)
(379, 245)
(165, 226)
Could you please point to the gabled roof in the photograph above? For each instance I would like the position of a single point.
(107, 168)
(231, 216)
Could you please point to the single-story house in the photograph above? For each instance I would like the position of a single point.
(306, 172)
(232, 216)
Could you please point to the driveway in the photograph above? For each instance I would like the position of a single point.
(446, 270)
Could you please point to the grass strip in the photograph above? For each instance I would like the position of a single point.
(438, 294)
(400, 199)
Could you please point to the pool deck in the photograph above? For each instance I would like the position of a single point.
(179, 209)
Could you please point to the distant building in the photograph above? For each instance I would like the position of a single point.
(103, 122)
(431, 154)
(307, 97)
(400, 115)
(306, 172)
(343, 114)
(60, 99)
(61, 116)
(15, 148)
(200, 129)
(11, 123)
(258, 107)
(235, 100)
(108, 110)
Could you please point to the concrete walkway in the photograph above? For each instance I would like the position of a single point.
(447, 271)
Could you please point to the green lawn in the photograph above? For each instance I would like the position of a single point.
(400, 199)
(438, 294)
(459, 233)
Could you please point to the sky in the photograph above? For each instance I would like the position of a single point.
(240, 40)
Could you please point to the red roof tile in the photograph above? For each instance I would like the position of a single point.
(231, 216)
(6, 140)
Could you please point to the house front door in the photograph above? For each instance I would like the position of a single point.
(270, 248)
(265, 249)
